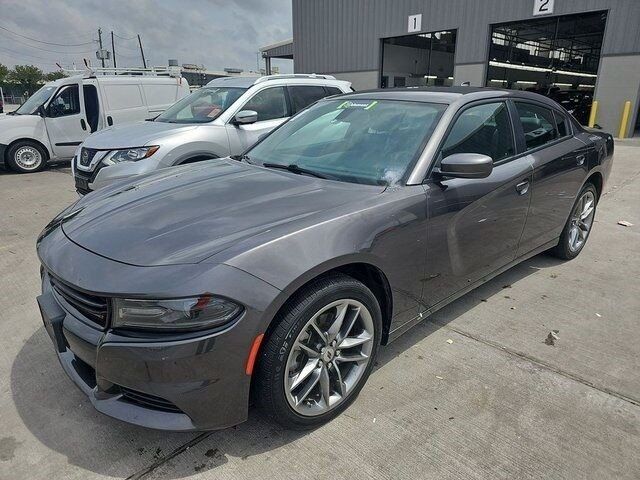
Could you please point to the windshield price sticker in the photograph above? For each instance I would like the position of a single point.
(362, 105)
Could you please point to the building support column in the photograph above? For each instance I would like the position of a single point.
(267, 65)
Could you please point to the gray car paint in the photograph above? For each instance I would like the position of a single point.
(257, 235)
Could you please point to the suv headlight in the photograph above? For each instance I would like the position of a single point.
(196, 313)
(129, 155)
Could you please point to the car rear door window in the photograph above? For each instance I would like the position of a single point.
(562, 125)
(538, 124)
(484, 129)
(333, 90)
(269, 103)
(303, 96)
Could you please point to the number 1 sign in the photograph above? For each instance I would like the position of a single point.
(415, 23)
(542, 7)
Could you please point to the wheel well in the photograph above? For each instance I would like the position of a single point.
(31, 140)
(372, 277)
(596, 180)
(198, 158)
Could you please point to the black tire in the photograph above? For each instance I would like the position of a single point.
(269, 388)
(13, 162)
(563, 250)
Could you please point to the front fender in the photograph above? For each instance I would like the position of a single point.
(27, 127)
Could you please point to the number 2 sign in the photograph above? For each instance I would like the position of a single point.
(542, 7)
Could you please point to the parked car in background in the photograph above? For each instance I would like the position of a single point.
(170, 297)
(51, 124)
(224, 118)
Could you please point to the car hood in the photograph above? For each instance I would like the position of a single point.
(134, 135)
(189, 213)
(8, 122)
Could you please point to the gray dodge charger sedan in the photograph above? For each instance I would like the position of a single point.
(176, 299)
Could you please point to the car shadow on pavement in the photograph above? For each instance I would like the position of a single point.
(63, 419)
(63, 167)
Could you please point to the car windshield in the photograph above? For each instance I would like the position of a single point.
(31, 106)
(360, 141)
(202, 106)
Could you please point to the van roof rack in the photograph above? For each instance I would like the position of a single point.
(266, 78)
(131, 71)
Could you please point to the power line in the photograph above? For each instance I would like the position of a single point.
(49, 50)
(47, 43)
(125, 38)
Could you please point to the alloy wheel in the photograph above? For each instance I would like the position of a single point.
(581, 221)
(28, 157)
(329, 357)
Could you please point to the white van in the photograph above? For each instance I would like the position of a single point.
(51, 124)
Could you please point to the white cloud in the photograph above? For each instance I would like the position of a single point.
(216, 33)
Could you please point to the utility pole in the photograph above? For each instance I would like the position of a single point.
(100, 43)
(113, 50)
(144, 62)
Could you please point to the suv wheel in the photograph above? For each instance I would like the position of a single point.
(26, 157)
(578, 226)
(321, 353)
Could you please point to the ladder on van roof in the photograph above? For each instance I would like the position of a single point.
(130, 71)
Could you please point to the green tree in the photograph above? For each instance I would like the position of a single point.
(27, 76)
(4, 71)
(51, 76)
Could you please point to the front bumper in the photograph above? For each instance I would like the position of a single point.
(102, 176)
(184, 382)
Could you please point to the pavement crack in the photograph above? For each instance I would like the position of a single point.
(543, 364)
(165, 458)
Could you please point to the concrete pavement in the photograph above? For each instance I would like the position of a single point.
(495, 402)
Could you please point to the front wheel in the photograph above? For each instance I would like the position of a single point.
(26, 157)
(576, 230)
(319, 356)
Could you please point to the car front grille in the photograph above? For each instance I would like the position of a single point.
(92, 307)
(148, 401)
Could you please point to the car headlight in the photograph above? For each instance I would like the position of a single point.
(196, 313)
(129, 155)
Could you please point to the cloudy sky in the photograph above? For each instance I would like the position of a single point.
(215, 33)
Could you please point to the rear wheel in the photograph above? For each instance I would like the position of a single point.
(26, 157)
(576, 230)
(318, 358)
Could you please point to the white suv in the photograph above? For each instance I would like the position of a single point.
(223, 118)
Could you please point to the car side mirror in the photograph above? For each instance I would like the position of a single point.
(41, 111)
(466, 165)
(245, 117)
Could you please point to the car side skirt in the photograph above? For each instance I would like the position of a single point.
(393, 335)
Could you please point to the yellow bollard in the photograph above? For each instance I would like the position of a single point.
(592, 115)
(625, 119)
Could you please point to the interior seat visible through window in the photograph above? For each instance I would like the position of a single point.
(484, 129)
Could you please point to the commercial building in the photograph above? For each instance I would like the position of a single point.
(571, 50)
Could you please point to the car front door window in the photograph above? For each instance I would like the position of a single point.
(484, 129)
(270, 104)
(66, 102)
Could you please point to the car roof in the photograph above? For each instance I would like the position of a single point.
(247, 81)
(446, 94)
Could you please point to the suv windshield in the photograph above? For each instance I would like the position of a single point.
(33, 103)
(202, 106)
(360, 141)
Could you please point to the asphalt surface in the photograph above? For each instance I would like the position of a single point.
(473, 392)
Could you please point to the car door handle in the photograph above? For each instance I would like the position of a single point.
(83, 124)
(523, 187)
(580, 159)
(109, 120)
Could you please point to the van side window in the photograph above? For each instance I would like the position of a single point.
(91, 106)
(538, 124)
(484, 129)
(302, 97)
(333, 90)
(269, 103)
(66, 102)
